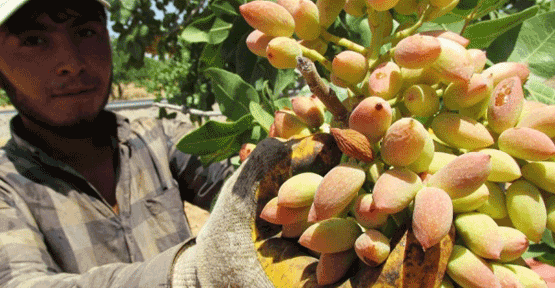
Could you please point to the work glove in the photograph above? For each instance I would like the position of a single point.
(237, 248)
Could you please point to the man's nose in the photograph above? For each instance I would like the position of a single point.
(70, 61)
(68, 69)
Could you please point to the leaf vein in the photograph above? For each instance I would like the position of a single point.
(539, 46)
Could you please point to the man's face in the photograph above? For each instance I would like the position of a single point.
(60, 72)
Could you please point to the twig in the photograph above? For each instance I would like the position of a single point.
(411, 30)
(376, 20)
(201, 4)
(471, 16)
(321, 89)
(373, 63)
(187, 110)
(354, 89)
(350, 45)
(315, 56)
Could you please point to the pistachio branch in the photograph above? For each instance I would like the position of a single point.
(321, 89)
(410, 30)
(326, 36)
(382, 58)
(315, 56)
(375, 20)
(376, 59)
(428, 123)
(396, 101)
(355, 90)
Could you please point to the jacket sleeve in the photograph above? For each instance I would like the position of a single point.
(26, 262)
(199, 184)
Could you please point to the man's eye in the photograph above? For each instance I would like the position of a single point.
(86, 33)
(33, 41)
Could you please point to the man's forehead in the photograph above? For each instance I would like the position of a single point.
(43, 22)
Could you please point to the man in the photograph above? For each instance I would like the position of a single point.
(87, 199)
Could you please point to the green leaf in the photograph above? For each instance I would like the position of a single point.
(232, 93)
(263, 118)
(245, 60)
(360, 26)
(236, 161)
(163, 113)
(261, 73)
(129, 4)
(258, 134)
(283, 103)
(547, 258)
(211, 56)
(540, 92)
(500, 49)
(219, 31)
(342, 93)
(144, 31)
(483, 33)
(536, 45)
(465, 7)
(214, 136)
(124, 15)
(454, 26)
(135, 49)
(389, 228)
(547, 238)
(266, 99)
(226, 152)
(284, 78)
(180, 4)
(536, 250)
(196, 31)
(236, 37)
(222, 8)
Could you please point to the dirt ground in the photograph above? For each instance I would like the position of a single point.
(196, 216)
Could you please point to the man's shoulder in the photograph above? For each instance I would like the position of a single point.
(7, 157)
(3, 156)
(12, 173)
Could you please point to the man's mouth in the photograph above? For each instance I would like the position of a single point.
(74, 91)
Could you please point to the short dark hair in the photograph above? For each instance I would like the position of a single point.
(59, 11)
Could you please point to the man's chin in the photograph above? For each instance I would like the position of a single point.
(84, 127)
(77, 130)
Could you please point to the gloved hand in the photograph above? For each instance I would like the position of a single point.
(236, 248)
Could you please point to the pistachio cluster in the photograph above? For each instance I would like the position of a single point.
(430, 137)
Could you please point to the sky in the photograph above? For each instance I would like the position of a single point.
(158, 15)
